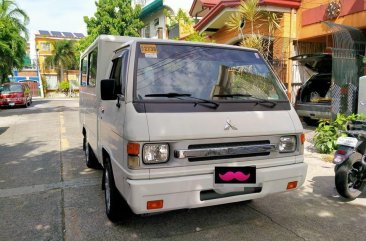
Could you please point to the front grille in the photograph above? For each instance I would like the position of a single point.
(231, 144)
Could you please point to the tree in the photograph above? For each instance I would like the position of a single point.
(115, 17)
(63, 58)
(197, 37)
(13, 37)
(249, 12)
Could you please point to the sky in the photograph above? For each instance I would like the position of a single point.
(56, 15)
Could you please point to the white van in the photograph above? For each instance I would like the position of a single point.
(184, 125)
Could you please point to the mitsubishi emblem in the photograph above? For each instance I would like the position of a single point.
(228, 125)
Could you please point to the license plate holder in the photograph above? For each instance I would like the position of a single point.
(11, 104)
(347, 141)
(235, 175)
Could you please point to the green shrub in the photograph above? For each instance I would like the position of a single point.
(64, 87)
(327, 133)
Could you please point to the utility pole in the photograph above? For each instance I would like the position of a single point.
(39, 73)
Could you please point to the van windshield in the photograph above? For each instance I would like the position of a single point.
(218, 74)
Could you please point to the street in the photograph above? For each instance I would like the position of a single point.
(47, 193)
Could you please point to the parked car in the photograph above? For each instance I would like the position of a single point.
(313, 99)
(15, 94)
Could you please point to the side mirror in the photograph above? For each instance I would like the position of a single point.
(107, 89)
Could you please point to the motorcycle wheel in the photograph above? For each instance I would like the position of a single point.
(348, 177)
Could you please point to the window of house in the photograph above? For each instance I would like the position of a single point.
(92, 77)
(45, 46)
(147, 31)
(156, 22)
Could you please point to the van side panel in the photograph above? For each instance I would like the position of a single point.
(90, 102)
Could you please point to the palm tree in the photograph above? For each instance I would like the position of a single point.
(13, 37)
(10, 11)
(63, 58)
(250, 12)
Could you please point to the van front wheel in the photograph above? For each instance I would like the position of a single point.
(90, 159)
(112, 197)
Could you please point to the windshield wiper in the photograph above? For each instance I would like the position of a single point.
(264, 102)
(178, 95)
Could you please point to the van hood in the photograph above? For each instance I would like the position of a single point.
(206, 125)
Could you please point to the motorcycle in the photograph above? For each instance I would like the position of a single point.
(350, 161)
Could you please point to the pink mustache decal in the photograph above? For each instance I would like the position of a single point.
(227, 177)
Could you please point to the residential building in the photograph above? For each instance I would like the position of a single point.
(337, 27)
(44, 41)
(156, 23)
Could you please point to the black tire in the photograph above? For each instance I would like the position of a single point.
(310, 122)
(346, 181)
(114, 203)
(91, 160)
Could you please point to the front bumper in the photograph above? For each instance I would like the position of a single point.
(186, 192)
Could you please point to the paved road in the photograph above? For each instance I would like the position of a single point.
(47, 193)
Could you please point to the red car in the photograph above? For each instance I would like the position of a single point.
(15, 94)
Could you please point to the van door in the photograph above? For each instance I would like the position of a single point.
(112, 112)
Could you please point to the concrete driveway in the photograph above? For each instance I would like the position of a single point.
(47, 193)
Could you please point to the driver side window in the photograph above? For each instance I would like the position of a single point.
(118, 73)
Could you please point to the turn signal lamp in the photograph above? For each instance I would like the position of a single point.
(302, 138)
(133, 160)
(291, 185)
(156, 204)
(133, 149)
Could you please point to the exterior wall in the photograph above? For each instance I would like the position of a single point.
(150, 22)
(43, 52)
(29, 73)
(353, 13)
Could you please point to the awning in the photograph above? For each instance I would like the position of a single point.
(151, 8)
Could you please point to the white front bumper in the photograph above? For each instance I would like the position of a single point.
(184, 192)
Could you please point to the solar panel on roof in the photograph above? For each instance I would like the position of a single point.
(44, 32)
(79, 35)
(68, 34)
(56, 34)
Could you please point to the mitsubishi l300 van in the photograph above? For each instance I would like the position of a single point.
(178, 125)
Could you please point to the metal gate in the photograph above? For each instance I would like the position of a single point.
(348, 49)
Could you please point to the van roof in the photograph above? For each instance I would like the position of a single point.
(180, 42)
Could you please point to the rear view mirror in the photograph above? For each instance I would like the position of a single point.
(107, 89)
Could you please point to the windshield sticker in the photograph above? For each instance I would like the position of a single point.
(151, 56)
(148, 49)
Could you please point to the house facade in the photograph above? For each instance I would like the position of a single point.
(44, 41)
(156, 22)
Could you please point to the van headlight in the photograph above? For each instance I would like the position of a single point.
(287, 144)
(155, 153)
